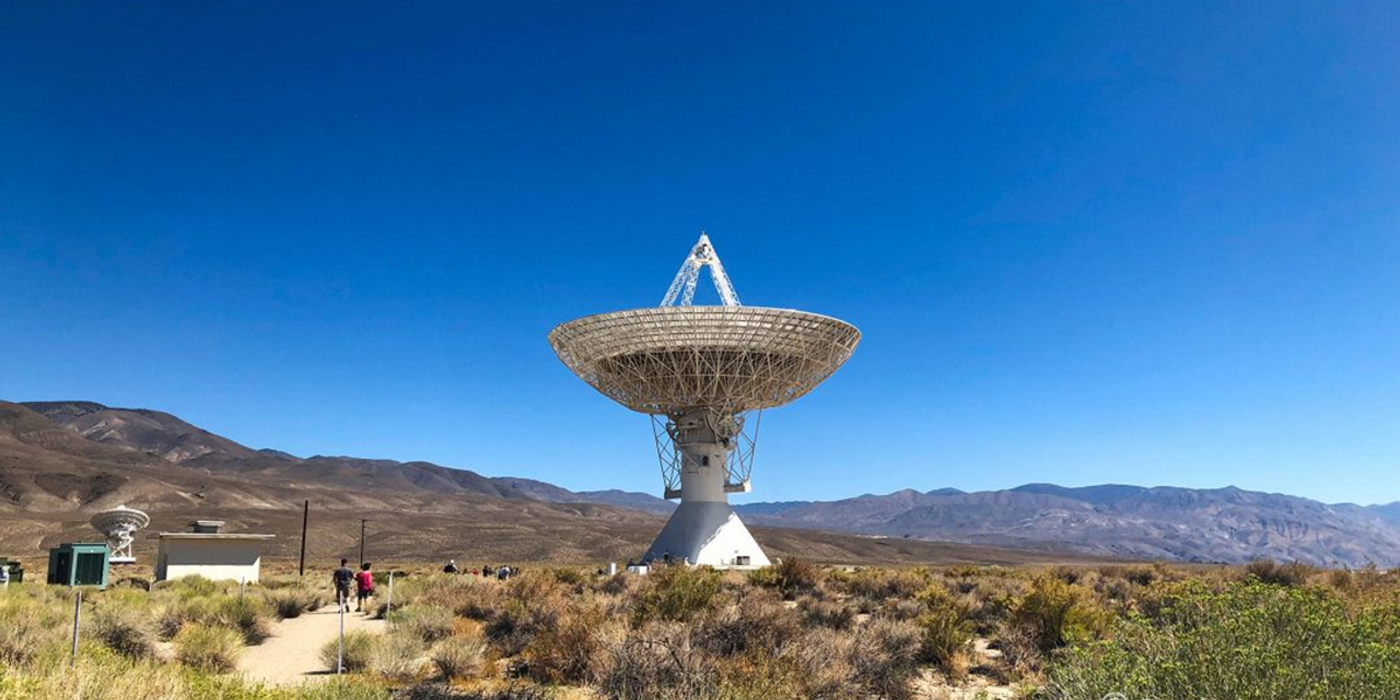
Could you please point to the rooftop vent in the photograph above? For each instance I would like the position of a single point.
(207, 526)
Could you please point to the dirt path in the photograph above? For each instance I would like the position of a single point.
(292, 654)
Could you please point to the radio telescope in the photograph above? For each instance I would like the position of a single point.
(704, 374)
(120, 525)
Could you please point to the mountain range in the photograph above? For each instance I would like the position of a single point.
(68, 457)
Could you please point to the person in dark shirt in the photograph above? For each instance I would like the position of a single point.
(343, 578)
(451, 567)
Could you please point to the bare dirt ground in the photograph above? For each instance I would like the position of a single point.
(291, 656)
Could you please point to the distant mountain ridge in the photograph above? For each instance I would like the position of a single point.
(1203, 525)
(1228, 524)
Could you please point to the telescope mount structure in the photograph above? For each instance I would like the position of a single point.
(704, 374)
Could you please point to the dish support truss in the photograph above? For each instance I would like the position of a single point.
(682, 291)
(738, 432)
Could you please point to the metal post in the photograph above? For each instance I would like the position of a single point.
(305, 511)
(389, 603)
(340, 652)
(77, 617)
(242, 586)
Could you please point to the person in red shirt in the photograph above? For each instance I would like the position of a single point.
(364, 586)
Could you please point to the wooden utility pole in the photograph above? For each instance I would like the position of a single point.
(362, 540)
(305, 511)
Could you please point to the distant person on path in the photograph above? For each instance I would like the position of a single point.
(343, 578)
(451, 567)
(4, 575)
(364, 586)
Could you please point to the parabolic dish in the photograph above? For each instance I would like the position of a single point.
(121, 516)
(668, 359)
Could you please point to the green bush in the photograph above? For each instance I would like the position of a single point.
(213, 649)
(943, 638)
(426, 622)
(1250, 642)
(359, 648)
(1056, 613)
(676, 593)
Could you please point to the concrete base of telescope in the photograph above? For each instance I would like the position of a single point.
(708, 533)
(704, 530)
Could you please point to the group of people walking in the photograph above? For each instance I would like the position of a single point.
(500, 572)
(361, 581)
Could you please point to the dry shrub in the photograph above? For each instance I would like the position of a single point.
(790, 577)
(26, 627)
(427, 623)
(213, 649)
(676, 594)
(823, 657)
(657, 661)
(620, 584)
(397, 656)
(877, 660)
(288, 603)
(819, 612)
(248, 616)
(359, 650)
(465, 596)
(883, 584)
(572, 650)
(532, 603)
(758, 624)
(170, 618)
(459, 657)
(124, 629)
(1269, 571)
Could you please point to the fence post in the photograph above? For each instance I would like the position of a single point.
(340, 652)
(77, 618)
(389, 604)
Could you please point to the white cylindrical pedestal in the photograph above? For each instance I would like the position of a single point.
(704, 529)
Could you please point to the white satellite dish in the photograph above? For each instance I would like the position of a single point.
(120, 526)
(704, 373)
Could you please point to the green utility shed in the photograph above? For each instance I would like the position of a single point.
(79, 564)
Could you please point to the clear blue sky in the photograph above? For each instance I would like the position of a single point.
(1150, 243)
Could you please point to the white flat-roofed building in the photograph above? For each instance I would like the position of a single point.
(207, 551)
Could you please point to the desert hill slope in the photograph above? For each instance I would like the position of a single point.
(99, 456)
(52, 479)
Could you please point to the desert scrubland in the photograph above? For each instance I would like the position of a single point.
(796, 630)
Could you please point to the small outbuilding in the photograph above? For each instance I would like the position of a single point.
(79, 564)
(209, 552)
